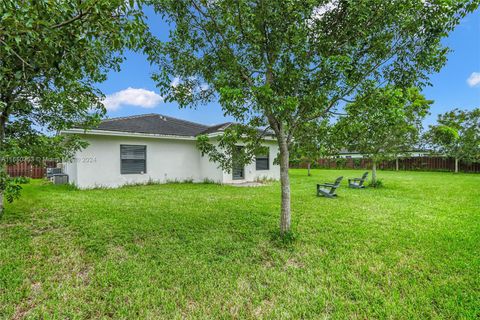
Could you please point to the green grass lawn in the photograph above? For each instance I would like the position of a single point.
(408, 250)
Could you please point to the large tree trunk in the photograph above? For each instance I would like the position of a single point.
(374, 172)
(456, 165)
(2, 161)
(285, 217)
(396, 164)
(284, 160)
(1, 203)
(277, 126)
(308, 168)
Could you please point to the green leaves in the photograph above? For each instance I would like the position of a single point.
(53, 54)
(314, 140)
(383, 122)
(457, 135)
(445, 135)
(10, 186)
(224, 148)
(78, 43)
(294, 61)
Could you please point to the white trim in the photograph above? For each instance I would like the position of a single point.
(219, 134)
(125, 134)
(144, 135)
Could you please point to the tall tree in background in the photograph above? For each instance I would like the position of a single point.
(457, 135)
(383, 123)
(312, 142)
(51, 55)
(283, 64)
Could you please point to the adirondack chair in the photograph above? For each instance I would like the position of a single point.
(328, 189)
(357, 183)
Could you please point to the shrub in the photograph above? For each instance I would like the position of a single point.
(357, 162)
(377, 184)
(178, 181)
(21, 180)
(264, 179)
(341, 162)
(209, 181)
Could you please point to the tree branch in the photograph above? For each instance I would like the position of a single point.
(17, 55)
(71, 20)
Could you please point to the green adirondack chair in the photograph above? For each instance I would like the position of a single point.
(358, 183)
(328, 189)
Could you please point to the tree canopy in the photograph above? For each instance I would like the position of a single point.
(313, 141)
(383, 123)
(457, 135)
(52, 53)
(283, 64)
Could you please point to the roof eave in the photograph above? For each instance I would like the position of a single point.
(126, 134)
(220, 133)
(144, 135)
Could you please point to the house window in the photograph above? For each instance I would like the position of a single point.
(133, 159)
(262, 160)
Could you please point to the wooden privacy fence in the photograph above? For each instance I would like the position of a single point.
(410, 164)
(26, 169)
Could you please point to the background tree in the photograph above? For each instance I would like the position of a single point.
(457, 135)
(312, 142)
(51, 55)
(384, 123)
(283, 64)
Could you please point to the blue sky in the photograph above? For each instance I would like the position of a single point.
(131, 91)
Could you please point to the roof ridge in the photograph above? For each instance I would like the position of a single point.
(187, 121)
(159, 123)
(226, 125)
(131, 117)
(217, 127)
(158, 115)
(221, 126)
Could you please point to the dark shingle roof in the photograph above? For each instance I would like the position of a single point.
(217, 127)
(223, 126)
(157, 124)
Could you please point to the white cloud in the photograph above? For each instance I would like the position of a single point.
(175, 82)
(133, 97)
(474, 79)
(320, 11)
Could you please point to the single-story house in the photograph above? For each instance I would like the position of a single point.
(154, 147)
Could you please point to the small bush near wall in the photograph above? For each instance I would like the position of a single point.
(21, 180)
(209, 181)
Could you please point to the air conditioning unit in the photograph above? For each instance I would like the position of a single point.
(60, 178)
(52, 171)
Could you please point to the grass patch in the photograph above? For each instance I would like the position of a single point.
(408, 250)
